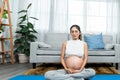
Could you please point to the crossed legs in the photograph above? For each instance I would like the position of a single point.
(63, 75)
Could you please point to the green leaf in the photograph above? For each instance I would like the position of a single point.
(18, 32)
(26, 45)
(27, 49)
(32, 36)
(23, 17)
(22, 25)
(1, 28)
(22, 11)
(4, 15)
(21, 22)
(34, 31)
(30, 25)
(17, 41)
(31, 39)
(29, 5)
(20, 40)
(34, 18)
(24, 30)
(27, 52)
(19, 49)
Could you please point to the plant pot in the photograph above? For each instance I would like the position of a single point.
(23, 58)
(1, 33)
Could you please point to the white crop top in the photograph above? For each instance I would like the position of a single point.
(74, 47)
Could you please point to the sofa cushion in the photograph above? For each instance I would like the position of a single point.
(56, 39)
(94, 41)
(101, 52)
(50, 49)
(57, 51)
(49, 52)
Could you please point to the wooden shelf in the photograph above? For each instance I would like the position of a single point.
(5, 51)
(5, 7)
(4, 38)
(5, 10)
(6, 25)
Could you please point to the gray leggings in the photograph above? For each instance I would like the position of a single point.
(63, 75)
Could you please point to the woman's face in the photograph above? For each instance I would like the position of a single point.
(75, 33)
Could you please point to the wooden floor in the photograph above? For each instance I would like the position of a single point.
(9, 70)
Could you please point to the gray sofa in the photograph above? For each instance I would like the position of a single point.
(44, 53)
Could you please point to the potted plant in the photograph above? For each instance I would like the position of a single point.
(4, 16)
(25, 34)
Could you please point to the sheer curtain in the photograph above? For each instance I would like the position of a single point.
(52, 15)
(103, 16)
(113, 20)
(96, 16)
(58, 15)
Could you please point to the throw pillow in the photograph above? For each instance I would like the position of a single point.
(108, 46)
(94, 41)
(43, 45)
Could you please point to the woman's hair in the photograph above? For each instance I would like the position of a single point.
(78, 28)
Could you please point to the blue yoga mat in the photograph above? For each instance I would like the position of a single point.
(41, 77)
(106, 77)
(28, 77)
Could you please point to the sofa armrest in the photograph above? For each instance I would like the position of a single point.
(33, 51)
(117, 51)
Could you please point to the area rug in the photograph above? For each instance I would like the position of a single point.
(99, 68)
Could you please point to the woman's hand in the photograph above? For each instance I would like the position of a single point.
(76, 71)
(71, 71)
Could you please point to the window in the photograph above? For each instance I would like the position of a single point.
(91, 15)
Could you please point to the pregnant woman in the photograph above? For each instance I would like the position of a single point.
(74, 56)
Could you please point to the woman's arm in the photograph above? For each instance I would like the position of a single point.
(85, 59)
(63, 55)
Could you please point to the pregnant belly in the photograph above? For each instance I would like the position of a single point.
(74, 62)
